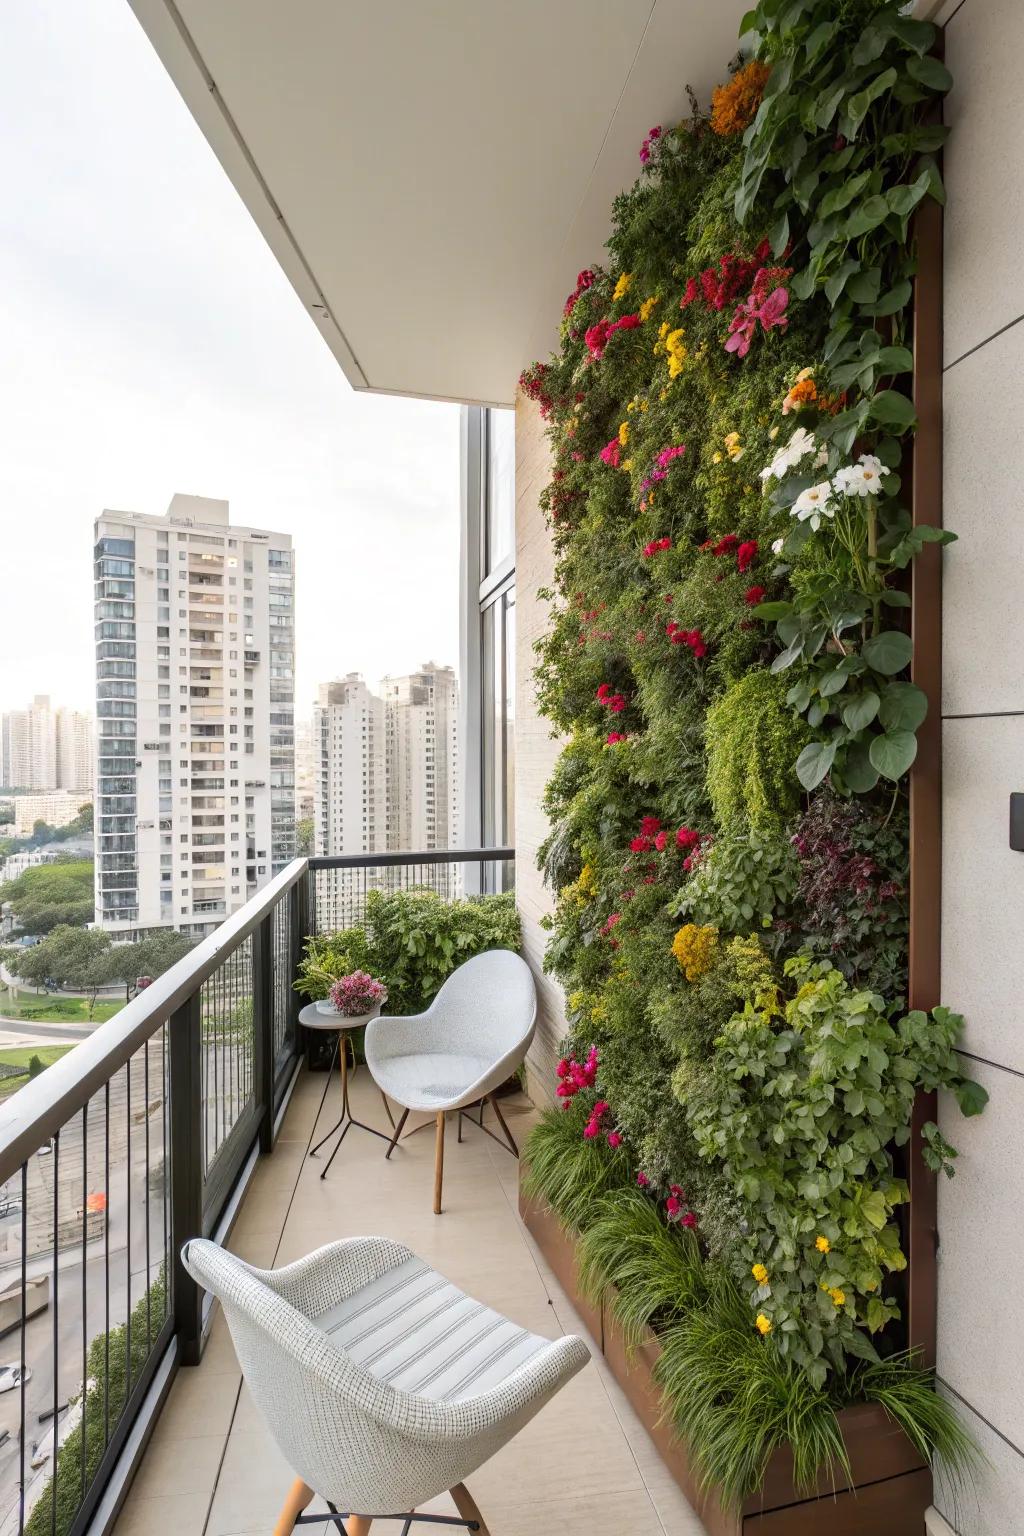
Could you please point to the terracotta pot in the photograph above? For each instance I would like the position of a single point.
(891, 1486)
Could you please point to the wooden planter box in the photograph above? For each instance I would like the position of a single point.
(891, 1486)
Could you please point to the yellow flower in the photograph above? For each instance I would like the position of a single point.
(695, 948)
(676, 352)
(823, 1245)
(622, 287)
(760, 1274)
(624, 433)
(627, 465)
(773, 434)
(763, 1324)
(733, 447)
(716, 457)
(647, 307)
(838, 1296)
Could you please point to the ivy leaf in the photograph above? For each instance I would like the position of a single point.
(888, 652)
(858, 106)
(918, 35)
(893, 753)
(971, 1097)
(892, 409)
(903, 708)
(860, 712)
(895, 359)
(778, 610)
(870, 213)
(833, 682)
(837, 282)
(860, 774)
(827, 105)
(841, 197)
(905, 198)
(814, 763)
(787, 657)
(803, 284)
(863, 287)
(871, 44)
(778, 234)
(929, 72)
(897, 298)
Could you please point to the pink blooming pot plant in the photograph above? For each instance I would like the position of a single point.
(356, 994)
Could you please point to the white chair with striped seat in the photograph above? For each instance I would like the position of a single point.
(382, 1383)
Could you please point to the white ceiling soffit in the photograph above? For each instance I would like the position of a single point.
(431, 176)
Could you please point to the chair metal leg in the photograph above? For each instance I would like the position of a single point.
(299, 1495)
(398, 1132)
(438, 1163)
(466, 1506)
(501, 1121)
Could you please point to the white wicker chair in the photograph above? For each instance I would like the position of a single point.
(473, 1036)
(382, 1384)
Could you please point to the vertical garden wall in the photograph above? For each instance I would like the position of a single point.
(728, 657)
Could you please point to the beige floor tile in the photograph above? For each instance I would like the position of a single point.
(173, 1464)
(172, 1514)
(199, 1403)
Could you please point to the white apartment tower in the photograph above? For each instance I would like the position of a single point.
(349, 802)
(195, 668)
(29, 746)
(74, 750)
(421, 723)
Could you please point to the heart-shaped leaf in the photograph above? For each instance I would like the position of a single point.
(858, 771)
(893, 753)
(814, 763)
(893, 409)
(888, 652)
(860, 712)
(904, 707)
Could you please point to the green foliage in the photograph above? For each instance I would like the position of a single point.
(107, 1367)
(71, 957)
(802, 1118)
(751, 741)
(741, 882)
(411, 941)
(568, 1171)
(644, 1271)
(35, 1066)
(304, 836)
(51, 895)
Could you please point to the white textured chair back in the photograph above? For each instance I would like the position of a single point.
(491, 1003)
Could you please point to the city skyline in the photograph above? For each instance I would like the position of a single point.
(172, 354)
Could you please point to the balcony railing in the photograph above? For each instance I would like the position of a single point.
(144, 1135)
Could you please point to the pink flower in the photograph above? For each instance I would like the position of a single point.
(616, 736)
(614, 1139)
(357, 993)
(612, 923)
(673, 1204)
(591, 1129)
(611, 453)
(689, 1220)
(645, 148)
(642, 1179)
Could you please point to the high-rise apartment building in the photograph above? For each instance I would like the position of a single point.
(195, 668)
(421, 727)
(29, 746)
(349, 795)
(74, 750)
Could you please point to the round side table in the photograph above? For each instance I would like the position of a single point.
(344, 1026)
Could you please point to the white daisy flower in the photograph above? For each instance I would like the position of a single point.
(813, 504)
(789, 455)
(861, 479)
(777, 546)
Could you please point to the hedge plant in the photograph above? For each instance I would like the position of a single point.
(728, 658)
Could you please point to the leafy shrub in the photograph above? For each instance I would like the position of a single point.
(742, 882)
(752, 743)
(411, 941)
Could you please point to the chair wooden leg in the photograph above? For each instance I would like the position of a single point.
(466, 1506)
(438, 1163)
(299, 1495)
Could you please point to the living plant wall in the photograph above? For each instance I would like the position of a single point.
(728, 657)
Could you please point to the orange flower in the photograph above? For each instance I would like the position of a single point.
(804, 391)
(733, 106)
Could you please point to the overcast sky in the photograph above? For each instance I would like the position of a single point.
(149, 344)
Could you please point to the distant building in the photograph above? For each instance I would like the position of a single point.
(74, 750)
(54, 806)
(421, 723)
(349, 796)
(305, 797)
(195, 668)
(29, 746)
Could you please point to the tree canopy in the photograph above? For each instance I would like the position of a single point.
(53, 895)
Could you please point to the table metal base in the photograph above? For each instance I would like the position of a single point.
(347, 1120)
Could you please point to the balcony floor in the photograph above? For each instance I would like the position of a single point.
(585, 1463)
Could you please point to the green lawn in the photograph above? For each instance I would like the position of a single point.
(20, 1056)
(43, 1009)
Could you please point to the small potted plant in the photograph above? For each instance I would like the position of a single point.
(357, 998)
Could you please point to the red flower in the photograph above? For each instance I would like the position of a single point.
(614, 736)
(687, 838)
(616, 703)
(753, 595)
(624, 323)
(656, 546)
(673, 1205)
(614, 1139)
(642, 1180)
(726, 545)
(649, 826)
(640, 845)
(660, 841)
(746, 555)
(689, 1220)
(611, 453)
(604, 692)
(596, 338)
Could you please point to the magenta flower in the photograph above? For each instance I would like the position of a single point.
(357, 993)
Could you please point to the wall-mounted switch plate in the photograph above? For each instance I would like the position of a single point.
(1017, 823)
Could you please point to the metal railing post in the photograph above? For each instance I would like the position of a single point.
(263, 1025)
(299, 928)
(186, 1131)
